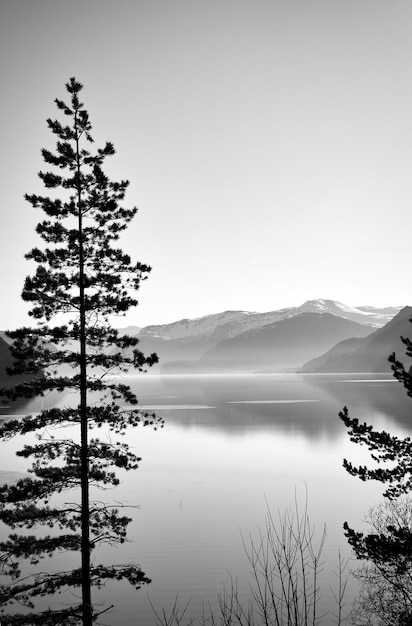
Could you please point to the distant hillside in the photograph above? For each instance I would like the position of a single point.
(281, 346)
(129, 330)
(188, 340)
(370, 354)
(332, 356)
(6, 360)
(5, 337)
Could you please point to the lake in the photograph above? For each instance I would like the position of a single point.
(231, 447)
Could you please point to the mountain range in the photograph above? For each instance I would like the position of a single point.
(318, 336)
(242, 341)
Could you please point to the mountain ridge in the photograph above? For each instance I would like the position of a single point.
(369, 354)
(206, 324)
(280, 346)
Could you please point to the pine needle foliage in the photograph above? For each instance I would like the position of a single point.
(82, 278)
(394, 453)
(387, 551)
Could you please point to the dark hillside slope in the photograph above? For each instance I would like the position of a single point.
(371, 354)
(329, 361)
(6, 360)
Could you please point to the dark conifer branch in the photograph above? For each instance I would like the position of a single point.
(387, 552)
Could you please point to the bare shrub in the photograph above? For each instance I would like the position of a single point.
(285, 564)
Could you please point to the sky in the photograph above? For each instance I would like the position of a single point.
(268, 144)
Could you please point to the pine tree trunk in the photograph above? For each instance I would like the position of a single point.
(87, 616)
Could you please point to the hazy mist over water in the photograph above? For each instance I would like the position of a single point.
(229, 444)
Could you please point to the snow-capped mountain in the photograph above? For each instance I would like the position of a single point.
(198, 327)
(368, 315)
(219, 326)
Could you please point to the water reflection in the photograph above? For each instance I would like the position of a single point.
(289, 403)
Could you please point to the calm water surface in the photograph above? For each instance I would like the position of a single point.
(230, 446)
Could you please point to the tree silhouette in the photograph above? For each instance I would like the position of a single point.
(385, 593)
(386, 580)
(81, 280)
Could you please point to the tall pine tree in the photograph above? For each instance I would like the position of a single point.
(81, 280)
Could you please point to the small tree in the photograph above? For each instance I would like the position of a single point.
(387, 550)
(81, 280)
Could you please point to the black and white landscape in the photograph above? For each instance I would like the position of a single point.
(268, 146)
